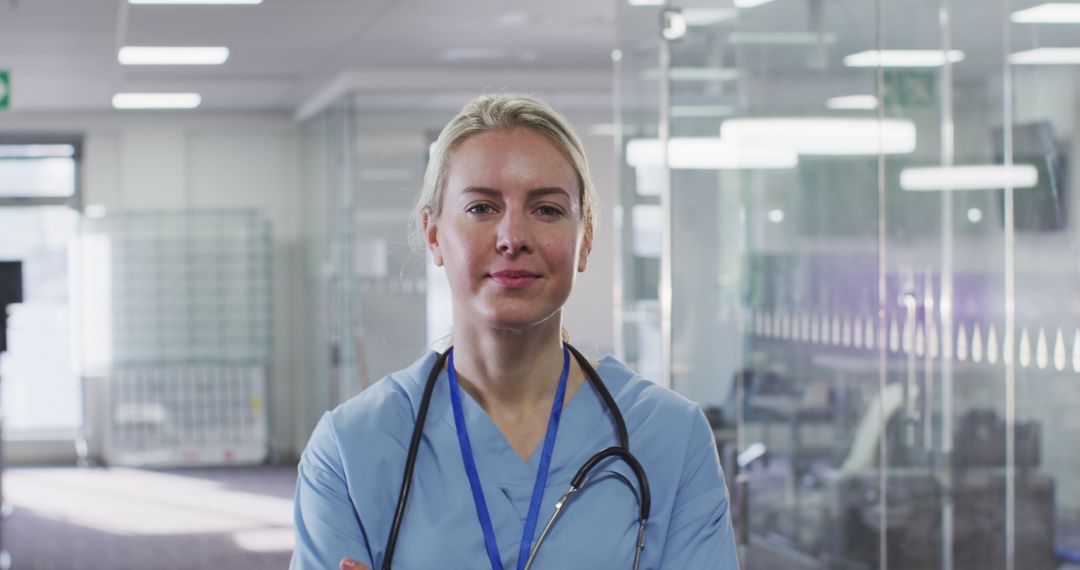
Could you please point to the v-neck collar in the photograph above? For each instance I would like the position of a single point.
(499, 465)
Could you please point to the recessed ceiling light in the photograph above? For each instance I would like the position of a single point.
(37, 151)
(195, 1)
(156, 100)
(1050, 13)
(701, 111)
(696, 17)
(154, 55)
(694, 74)
(1046, 56)
(970, 177)
(852, 102)
(707, 153)
(472, 54)
(902, 58)
(750, 3)
(781, 38)
(804, 135)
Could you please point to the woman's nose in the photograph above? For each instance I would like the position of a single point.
(513, 238)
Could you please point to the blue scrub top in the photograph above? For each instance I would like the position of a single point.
(350, 476)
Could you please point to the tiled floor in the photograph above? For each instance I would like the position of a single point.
(120, 519)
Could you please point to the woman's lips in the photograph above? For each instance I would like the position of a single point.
(514, 279)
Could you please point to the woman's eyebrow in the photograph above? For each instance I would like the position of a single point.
(481, 190)
(538, 192)
(532, 194)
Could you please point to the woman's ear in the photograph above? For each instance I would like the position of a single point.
(586, 249)
(431, 236)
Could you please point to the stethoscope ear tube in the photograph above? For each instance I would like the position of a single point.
(410, 461)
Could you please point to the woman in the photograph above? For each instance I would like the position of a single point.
(507, 209)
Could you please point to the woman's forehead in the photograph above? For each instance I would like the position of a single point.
(518, 160)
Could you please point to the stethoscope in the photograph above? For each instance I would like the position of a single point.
(621, 451)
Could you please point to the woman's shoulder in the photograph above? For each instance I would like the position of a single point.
(637, 395)
(394, 397)
(383, 410)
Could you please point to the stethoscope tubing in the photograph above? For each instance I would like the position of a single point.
(621, 451)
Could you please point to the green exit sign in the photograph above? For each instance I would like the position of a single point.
(910, 88)
(5, 89)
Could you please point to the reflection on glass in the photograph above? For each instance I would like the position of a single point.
(883, 327)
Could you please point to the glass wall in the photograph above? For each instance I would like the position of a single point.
(847, 234)
(363, 163)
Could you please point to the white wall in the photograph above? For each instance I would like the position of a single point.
(182, 160)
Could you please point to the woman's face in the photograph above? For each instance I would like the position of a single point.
(510, 233)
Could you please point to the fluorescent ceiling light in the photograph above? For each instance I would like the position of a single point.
(37, 151)
(707, 153)
(848, 102)
(156, 100)
(646, 2)
(195, 1)
(750, 3)
(781, 38)
(823, 135)
(695, 74)
(700, 17)
(902, 58)
(973, 177)
(701, 111)
(1049, 13)
(1046, 56)
(149, 55)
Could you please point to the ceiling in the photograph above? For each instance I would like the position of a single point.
(297, 55)
(61, 54)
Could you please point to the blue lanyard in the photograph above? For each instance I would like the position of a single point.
(541, 475)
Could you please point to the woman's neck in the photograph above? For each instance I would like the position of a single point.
(509, 372)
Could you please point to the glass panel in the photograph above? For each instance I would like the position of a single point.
(638, 220)
(40, 385)
(390, 140)
(1043, 134)
(882, 335)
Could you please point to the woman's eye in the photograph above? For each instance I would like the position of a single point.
(480, 209)
(549, 211)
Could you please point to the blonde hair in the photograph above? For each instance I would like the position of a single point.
(502, 112)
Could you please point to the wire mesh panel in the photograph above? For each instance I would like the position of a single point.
(177, 314)
(178, 414)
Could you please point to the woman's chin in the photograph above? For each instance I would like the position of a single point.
(521, 323)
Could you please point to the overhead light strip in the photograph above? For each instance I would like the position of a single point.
(903, 58)
(970, 177)
(156, 100)
(196, 2)
(852, 102)
(1049, 13)
(707, 153)
(159, 55)
(1046, 56)
(823, 135)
